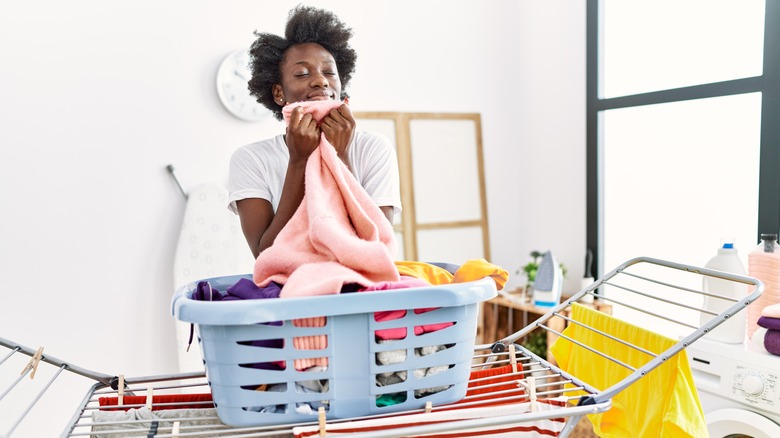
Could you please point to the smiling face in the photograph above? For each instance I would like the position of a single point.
(308, 72)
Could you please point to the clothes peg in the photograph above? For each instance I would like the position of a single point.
(33, 363)
(428, 407)
(531, 382)
(121, 390)
(321, 418)
(149, 398)
(513, 357)
(175, 430)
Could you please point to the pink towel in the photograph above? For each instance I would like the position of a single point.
(337, 236)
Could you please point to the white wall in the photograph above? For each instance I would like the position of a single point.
(96, 98)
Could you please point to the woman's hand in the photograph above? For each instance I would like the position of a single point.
(338, 127)
(303, 136)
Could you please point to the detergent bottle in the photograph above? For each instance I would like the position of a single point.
(764, 264)
(732, 330)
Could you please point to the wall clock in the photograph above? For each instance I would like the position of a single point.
(232, 78)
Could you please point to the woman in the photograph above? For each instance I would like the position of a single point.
(313, 61)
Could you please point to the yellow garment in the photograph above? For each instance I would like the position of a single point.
(472, 270)
(425, 271)
(475, 269)
(663, 403)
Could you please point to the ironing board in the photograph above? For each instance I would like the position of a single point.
(210, 244)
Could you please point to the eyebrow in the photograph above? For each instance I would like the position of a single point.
(306, 62)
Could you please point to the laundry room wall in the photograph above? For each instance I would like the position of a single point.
(97, 98)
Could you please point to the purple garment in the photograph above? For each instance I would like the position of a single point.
(769, 323)
(245, 289)
(772, 342)
(204, 292)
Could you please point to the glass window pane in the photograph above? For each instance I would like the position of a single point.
(678, 177)
(663, 44)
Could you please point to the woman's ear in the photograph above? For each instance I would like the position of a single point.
(278, 94)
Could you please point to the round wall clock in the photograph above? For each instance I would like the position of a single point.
(232, 78)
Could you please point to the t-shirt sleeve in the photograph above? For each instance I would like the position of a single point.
(245, 179)
(380, 176)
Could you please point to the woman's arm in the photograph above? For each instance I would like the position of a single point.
(258, 221)
(388, 211)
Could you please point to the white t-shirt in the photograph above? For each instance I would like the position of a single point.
(258, 170)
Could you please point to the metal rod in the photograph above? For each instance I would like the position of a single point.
(100, 377)
(13, 385)
(35, 400)
(172, 171)
(10, 353)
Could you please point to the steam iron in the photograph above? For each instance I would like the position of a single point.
(548, 283)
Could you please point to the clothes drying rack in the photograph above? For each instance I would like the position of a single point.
(646, 289)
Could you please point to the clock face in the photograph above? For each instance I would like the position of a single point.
(232, 78)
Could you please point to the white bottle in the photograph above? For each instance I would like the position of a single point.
(764, 264)
(732, 330)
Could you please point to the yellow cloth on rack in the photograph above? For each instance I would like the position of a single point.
(663, 403)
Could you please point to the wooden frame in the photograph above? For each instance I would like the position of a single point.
(410, 225)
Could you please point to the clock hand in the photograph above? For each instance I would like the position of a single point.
(240, 74)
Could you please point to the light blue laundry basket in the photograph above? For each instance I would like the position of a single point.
(247, 396)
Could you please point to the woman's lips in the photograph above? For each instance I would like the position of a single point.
(319, 96)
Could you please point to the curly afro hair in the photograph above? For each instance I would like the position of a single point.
(305, 24)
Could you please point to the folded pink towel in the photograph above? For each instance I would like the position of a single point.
(336, 237)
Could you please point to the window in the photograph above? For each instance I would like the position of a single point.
(679, 145)
(683, 143)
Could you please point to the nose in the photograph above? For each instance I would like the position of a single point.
(320, 80)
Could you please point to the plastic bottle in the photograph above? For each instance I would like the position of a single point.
(732, 330)
(764, 264)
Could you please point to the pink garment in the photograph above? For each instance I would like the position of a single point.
(337, 236)
(389, 315)
(317, 342)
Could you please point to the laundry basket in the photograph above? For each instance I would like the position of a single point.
(250, 355)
